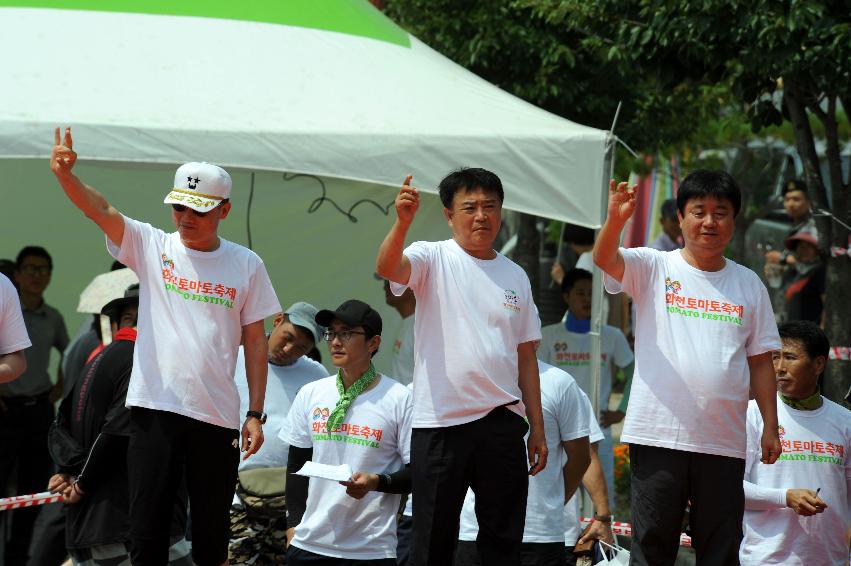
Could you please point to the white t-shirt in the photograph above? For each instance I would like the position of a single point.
(571, 351)
(694, 333)
(815, 455)
(13, 331)
(375, 437)
(282, 385)
(192, 307)
(471, 316)
(571, 512)
(566, 417)
(403, 352)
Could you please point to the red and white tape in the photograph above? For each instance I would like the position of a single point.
(625, 529)
(840, 353)
(29, 500)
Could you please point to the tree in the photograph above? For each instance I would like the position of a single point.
(784, 61)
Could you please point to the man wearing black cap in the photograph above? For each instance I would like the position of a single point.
(91, 454)
(360, 418)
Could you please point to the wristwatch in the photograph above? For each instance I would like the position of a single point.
(603, 518)
(259, 415)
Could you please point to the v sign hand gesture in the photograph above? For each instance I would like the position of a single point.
(622, 201)
(63, 157)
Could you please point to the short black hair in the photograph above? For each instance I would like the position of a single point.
(705, 183)
(572, 277)
(579, 235)
(33, 251)
(809, 334)
(669, 209)
(469, 179)
(368, 334)
(795, 185)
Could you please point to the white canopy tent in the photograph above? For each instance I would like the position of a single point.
(297, 99)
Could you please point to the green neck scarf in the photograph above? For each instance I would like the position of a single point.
(347, 397)
(811, 403)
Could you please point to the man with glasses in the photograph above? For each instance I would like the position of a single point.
(358, 417)
(200, 296)
(26, 404)
(258, 517)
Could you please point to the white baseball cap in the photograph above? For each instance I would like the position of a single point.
(200, 186)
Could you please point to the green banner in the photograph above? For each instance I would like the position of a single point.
(353, 17)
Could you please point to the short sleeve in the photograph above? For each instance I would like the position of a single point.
(405, 423)
(420, 255)
(530, 329)
(61, 340)
(596, 434)
(261, 300)
(572, 414)
(295, 431)
(13, 330)
(764, 336)
(132, 250)
(545, 348)
(637, 268)
(623, 355)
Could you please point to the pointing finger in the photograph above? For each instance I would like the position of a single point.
(407, 182)
(69, 143)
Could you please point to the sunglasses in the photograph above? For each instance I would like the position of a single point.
(182, 208)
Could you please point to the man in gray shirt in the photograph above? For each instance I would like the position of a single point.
(26, 404)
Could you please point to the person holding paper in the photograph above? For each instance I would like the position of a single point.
(357, 418)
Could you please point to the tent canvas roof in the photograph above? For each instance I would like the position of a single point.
(280, 86)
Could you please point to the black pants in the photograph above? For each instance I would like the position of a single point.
(531, 554)
(488, 455)
(664, 481)
(404, 528)
(23, 444)
(166, 448)
(298, 557)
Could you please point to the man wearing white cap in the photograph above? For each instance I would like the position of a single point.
(199, 296)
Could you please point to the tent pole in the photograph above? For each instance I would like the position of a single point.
(597, 298)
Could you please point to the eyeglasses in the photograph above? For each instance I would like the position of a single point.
(343, 335)
(183, 208)
(36, 269)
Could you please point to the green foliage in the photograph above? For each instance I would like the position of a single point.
(754, 47)
(580, 77)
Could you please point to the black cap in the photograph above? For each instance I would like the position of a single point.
(354, 313)
(113, 308)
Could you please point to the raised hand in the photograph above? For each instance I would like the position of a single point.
(407, 201)
(63, 157)
(622, 201)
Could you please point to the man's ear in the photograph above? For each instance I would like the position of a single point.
(820, 363)
(279, 318)
(225, 210)
(448, 215)
(374, 343)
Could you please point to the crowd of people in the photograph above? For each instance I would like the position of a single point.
(186, 434)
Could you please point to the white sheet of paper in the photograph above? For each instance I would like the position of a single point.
(335, 473)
